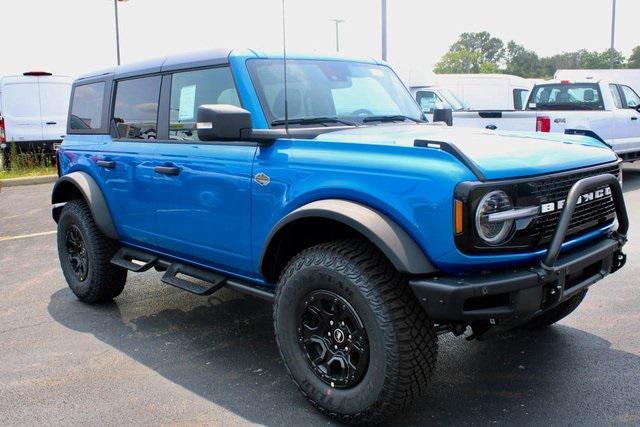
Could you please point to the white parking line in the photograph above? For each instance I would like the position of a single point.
(26, 236)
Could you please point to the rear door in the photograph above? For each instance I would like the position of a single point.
(54, 106)
(22, 109)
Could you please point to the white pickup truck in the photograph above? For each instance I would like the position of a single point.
(602, 109)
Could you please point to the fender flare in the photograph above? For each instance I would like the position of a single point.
(83, 183)
(384, 233)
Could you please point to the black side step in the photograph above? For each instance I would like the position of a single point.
(125, 258)
(213, 281)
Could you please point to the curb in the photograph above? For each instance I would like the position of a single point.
(28, 180)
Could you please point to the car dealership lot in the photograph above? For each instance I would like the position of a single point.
(160, 355)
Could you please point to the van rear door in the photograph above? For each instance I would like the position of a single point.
(54, 107)
(22, 109)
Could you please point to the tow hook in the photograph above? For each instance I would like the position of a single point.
(619, 260)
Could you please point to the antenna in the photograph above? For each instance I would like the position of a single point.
(284, 60)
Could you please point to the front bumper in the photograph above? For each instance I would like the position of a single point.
(512, 297)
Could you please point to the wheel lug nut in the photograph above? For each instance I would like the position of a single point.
(335, 347)
(331, 322)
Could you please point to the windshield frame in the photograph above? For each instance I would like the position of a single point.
(356, 120)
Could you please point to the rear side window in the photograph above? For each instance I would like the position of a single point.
(566, 96)
(86, 107)
(190, 90)
(519, 98)
(631, 98)
(136, 108)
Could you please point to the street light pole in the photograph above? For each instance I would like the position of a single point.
(613, 34)
(115, 6)
(384, 30)
(337, 21)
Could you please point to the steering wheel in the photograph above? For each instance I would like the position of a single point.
(362, 112)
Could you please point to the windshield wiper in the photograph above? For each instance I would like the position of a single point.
(390, 118)
(312, 121)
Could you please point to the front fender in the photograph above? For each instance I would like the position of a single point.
(389, 237)
(81, 184)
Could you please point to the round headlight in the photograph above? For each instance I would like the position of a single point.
(495, 231)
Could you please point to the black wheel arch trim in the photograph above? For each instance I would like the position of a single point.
(395, 243)
(65, 189)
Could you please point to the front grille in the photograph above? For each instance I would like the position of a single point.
(586, 216)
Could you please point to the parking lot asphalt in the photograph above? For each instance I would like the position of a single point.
(158, 355)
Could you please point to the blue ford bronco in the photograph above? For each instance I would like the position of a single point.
(371, 230)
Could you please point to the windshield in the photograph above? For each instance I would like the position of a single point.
(454, 101)
(348, 91)
(566, 96)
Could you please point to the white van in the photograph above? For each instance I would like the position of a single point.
(33, 110)
(486, 91)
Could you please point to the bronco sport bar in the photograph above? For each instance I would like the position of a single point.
(514, 296)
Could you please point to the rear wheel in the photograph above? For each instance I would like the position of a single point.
(556, 314)
(85, 255)
(351, 333)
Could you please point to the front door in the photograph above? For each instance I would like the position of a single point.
(629, 139)
(203, 189)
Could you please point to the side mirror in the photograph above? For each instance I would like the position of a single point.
(637, 108)
(222, 121)
(443, 115)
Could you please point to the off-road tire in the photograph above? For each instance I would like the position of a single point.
(402, 340)
(552, 316)
(104, 281)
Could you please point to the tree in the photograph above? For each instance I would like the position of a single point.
(457, 62)
(482, 53)
(472, 53)
(595, 60)
(522, 62)
(634, 59)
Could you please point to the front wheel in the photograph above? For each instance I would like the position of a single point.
(351, 333)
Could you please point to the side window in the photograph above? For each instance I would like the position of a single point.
(136, 107)
(519, 98)
(427, 100)
(191, 89)
(631, 98)
(86, 107)
(616, 95)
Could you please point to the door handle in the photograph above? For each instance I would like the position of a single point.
(634, 118)
(167, 170)
(52, 123)
(107, 164)
(491, 127)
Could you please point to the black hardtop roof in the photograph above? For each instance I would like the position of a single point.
(166, 63)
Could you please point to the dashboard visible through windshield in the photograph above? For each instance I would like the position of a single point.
(321, 92)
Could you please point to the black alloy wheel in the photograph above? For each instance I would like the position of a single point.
(77, 253)
(333, 338)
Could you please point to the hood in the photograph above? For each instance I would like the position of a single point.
(497, 155)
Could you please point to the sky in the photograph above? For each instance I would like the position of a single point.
(71, 37)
